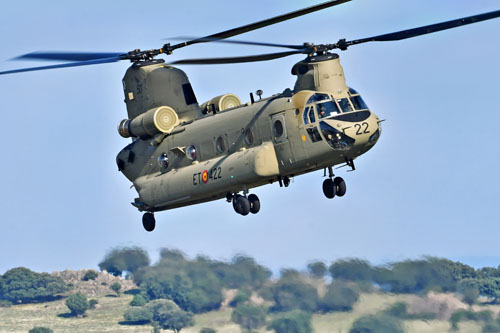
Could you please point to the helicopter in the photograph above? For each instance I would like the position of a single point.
(183, 153)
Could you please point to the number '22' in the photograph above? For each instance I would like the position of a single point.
(362, 129)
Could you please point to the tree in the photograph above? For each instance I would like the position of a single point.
(376, 324)
(138, 315)
(340, 297)
(292, 322)
(116, 286)
(169, 316)
(352, 270)
(90, 275)
(77, 304)
(138, 300)
(293, 293)
(127, 259)
(241, 297)
(249, 316)
(317, 269)
(40, 329)
(207, 330)
(23, 285)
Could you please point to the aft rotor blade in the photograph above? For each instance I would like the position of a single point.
(236, 60)
(71, 64)
(260, 24)
(409, 33)
(66, 56)
(241, 42)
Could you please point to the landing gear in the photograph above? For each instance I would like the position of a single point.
(340, 186)
(333, 186)
(244, 205)
(329, 188)
(148, 221)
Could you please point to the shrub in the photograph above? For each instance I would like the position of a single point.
(168, 315)
(249, 317)
(491, 328)
(40, 329)
(293, 293)
(138, 315)
(464, 315)
(93, 303)
(77, 304)
(317, 269)
(90, 275)
(292, 322)
(138, 300)
(241, 297)
(376, 324)
(5, 304)
(207, 330)
(116, 286)
(352, 270)
(400, 310)
(339, 297)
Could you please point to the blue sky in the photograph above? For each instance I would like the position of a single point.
(429, 187)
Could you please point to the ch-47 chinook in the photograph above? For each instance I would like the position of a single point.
(183, 153)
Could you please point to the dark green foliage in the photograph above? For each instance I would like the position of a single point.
(116, 286)
(491, 328)
(340, 296)
(400, 310)
(317, 269)
(5, 304)
(138, 315)
(127, 259)
(293, 293)
(21, 285)
(488, 286)
(249, 316)
(77, 304)
(169, 316)
(464, 315)
(40, 329)
(351, 270)
(93, 303)
(377, 324)
(241, 297)
(138, 300)
(242, 271)
(470, 294)
(90, 275)
(207, 330)
(292, 322)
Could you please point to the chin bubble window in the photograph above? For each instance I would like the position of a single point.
(191, 152)
(163, 161)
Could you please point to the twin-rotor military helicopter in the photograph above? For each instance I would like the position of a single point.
(183, 153)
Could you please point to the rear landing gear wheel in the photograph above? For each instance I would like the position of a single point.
(340, 186)
(254, 203)
(242, 206)
(148, 221)
(329, 188)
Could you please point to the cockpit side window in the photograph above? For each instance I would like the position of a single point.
(358, 103)
(312, 117)
(318, 98)
(327, 109)
(345, 105)
(306, 119)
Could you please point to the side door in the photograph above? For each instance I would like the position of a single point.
(280, 140)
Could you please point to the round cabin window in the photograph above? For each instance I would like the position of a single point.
(277, 129)
(221, 147)
(249, 137)
(163, 161)
(191, 152)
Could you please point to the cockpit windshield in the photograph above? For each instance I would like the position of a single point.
(345, 105)
(327, 109)
(318, 98)
(357, 101)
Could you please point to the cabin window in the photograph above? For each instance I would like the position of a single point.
(318, 98)
(163, 161)
(358, 103)
(327, 109)
(278, 129)
(314, 134)
(191, 152)
(312, 117)
(305, 115)
(189, 94)
(249, 137)
(345, 105)
(220, 145)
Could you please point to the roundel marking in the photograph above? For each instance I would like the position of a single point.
(204, 176)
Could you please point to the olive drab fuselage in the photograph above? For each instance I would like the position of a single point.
(209, 153)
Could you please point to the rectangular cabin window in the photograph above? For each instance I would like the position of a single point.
(306, 120)
(345, 105)
(358, 103)
(314, 134)
(189, 94)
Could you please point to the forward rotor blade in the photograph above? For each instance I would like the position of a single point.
(66, 56)
(71, 64)
(260, 24)
(237, 60)
(409, 33)
(241, 42)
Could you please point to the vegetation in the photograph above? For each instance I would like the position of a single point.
(377, 324)
(93, 303)
(40, 329)
(116, 287)
(249, 317)
(77, 304)
(90, 275)
(292, 322)
(207, 330)
(292, 292)
(21, 285)
(340, 297)
(462, 315)
(241, 297)
(317, 269)
(127, 259)
(138, 300)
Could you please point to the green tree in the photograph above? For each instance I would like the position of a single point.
(116, 287)
(377, 324)
(93, 303)
(293, 293)
(169, 316)
(40, 329)
(207, 330)
(77, 304)
(127, 259)
(249, 316)
(138, 300)
(138, 315)
(317, 269)
(241, 297)
(21, 285)
(351, 270)
(90, 275)
(292, 322)
(340, 297)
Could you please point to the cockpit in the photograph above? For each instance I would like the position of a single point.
(321, 106)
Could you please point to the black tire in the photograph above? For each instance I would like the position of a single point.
(254, 203)
(329, 188)
(148, 222)
(340, 186)
(242, 206)
(235, 198)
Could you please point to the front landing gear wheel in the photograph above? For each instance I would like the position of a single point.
(340, 186)
(242, 206)
(148, 221)
(254, 203)
(329, 188)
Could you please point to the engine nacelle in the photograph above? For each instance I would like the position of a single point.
(220, 103)
(155, 121)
